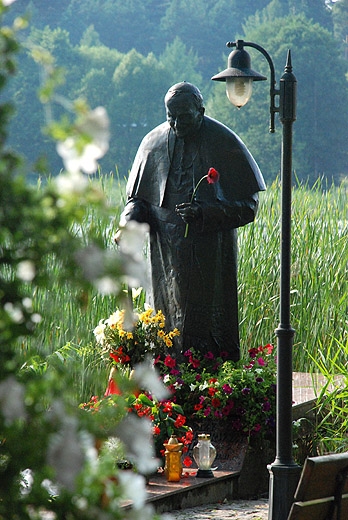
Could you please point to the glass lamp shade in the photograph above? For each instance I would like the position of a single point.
(239, 90)
(204, 455)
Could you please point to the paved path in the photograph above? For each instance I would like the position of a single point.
(234, 510)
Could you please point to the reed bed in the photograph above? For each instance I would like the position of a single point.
(318, 282)
(318, 273)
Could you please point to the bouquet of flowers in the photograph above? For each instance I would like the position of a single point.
(167, 419)
(129, 345)
(212, 388)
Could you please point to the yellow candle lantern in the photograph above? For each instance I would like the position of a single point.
(173, 465)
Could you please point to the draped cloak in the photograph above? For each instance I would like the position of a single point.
(194, 279)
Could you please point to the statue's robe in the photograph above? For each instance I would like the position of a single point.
(194, 279)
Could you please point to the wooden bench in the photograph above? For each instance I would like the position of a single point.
(322, 492)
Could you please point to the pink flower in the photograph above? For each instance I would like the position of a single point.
(207, 411)
(261, 362)
(227, 389)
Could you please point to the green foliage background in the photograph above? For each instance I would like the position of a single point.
(125, 55)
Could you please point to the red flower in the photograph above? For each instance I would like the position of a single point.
(213, 176)
(119, 356)
(194, 362)
(156, 430)
(212, 391)
(268, 348)
(198, 407)
(169, 362)
(180, 421)
(187, 462)
(167, 407)
(215, 402)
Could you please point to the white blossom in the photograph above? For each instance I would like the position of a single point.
(14, 312)
(147, 377)
(65, 454)
(95, 125)
(26, 270)
(114, 318)
(99, 332)
(133, 488)
(12, 399)
(107, 285)
(134, 235)
(70, 183)
(136, 435)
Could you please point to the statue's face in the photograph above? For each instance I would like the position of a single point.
(183, 115)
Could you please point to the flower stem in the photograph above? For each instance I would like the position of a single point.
(193, 196)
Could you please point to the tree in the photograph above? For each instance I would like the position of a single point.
(135, 110)
(340, 22)
(320, 132)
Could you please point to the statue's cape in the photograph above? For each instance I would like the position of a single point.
(220, 148)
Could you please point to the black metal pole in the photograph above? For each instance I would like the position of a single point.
(284, 472)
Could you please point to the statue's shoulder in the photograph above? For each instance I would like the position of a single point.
(214, 127)
(156, 138)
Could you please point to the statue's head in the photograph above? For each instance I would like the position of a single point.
(184, 108)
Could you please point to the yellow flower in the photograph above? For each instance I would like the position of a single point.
(168, 341)
(161, 333)
(129, 335)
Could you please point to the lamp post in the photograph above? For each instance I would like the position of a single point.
(284, 472)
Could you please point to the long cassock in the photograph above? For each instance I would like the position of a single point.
(194, 279)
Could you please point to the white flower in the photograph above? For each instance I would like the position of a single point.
(70, 183)
(203, 386)
(27, 480)
(114, 318)
(134, 235)
(14, 312)
(131, 246)
(26, 270)
(133, 488)
(65, 454)
(148, 379)
(77, 157)
(136, 435)
(12, 400)
(192, 387)
(106, 285)
(99, 332)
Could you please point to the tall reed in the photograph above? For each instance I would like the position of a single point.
(318, 272)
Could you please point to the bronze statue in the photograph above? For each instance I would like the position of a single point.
(193, 237)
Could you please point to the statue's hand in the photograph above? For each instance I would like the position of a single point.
(188, 212)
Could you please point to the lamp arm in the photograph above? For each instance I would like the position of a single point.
(239, 44)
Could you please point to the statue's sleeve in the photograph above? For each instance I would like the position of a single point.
(135, 209)
(217, 216)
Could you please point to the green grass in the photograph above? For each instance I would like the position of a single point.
(318, 283)
(318, 273)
